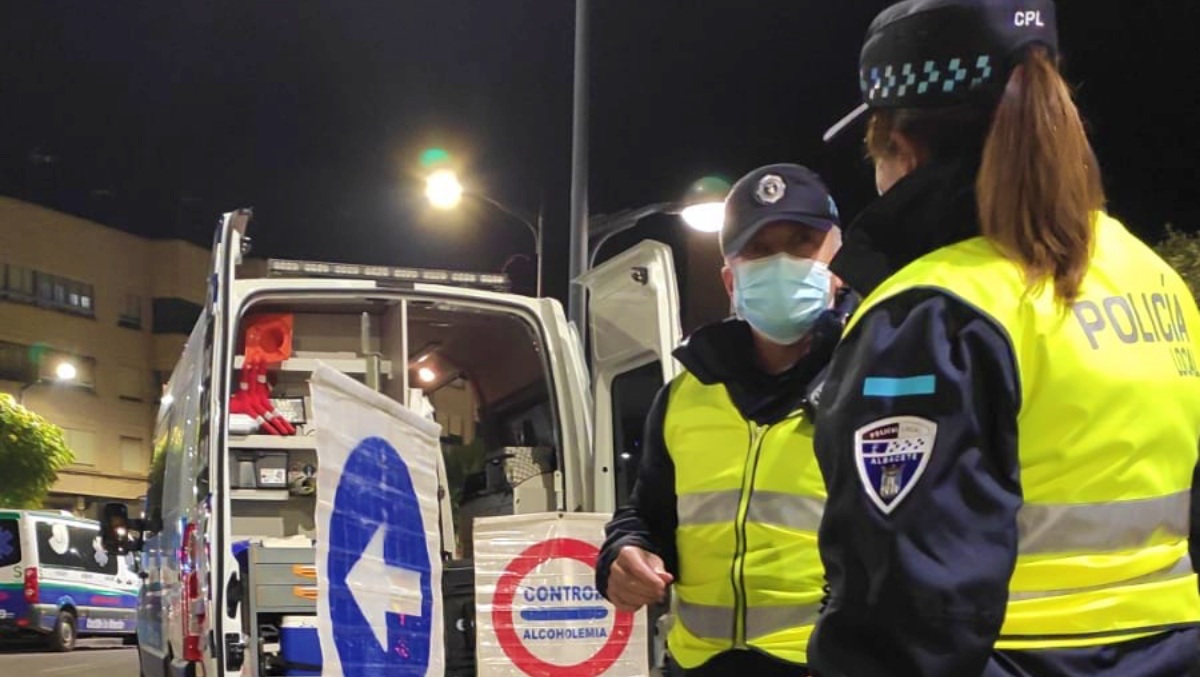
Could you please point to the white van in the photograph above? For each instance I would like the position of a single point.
(57, 580)
(226, 536)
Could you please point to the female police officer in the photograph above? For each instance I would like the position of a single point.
(1010, 427)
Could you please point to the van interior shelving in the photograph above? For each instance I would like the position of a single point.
(481, 370)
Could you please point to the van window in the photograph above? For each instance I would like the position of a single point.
(176, 422)
(10, 542)
(632, 394)
(68, 546)
(157, 481)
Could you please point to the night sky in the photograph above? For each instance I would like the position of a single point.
(156, 116)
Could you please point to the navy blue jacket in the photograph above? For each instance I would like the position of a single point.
(911, 595)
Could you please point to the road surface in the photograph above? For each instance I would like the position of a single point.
(91, 657)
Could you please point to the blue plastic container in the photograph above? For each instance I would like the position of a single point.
(298, 643)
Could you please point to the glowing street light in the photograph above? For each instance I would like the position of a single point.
(702, 209)
(706, 217)
(443, 189)
(426, 375)
(704, 204)
(65, 371)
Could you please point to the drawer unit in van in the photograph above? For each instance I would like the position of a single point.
(285, 599)
(283, 580)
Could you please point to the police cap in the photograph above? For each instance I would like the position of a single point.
(922, 53)
(779, 192)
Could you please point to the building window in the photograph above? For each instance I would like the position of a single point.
(18, 283)
(83, 444)
(131, 386)
(25, 285)
(39, 364)
(15, 364)
(134, 455)
(131, 312)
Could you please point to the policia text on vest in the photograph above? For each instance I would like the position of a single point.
(1140, 318)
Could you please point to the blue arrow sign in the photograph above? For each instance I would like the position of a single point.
(379, 572)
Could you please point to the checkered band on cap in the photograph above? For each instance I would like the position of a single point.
(931, 78)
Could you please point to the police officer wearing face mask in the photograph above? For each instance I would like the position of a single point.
(1009, 428)
(728, 494)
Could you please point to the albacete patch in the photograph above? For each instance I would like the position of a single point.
(891, 455)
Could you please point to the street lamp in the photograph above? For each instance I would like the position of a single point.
(445, 191)
(702, 209)
(706, 217)
(64, 372)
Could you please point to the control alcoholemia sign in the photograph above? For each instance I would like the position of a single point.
(537, 609)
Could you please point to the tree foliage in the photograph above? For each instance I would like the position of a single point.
(32, 451)
(1182, 251)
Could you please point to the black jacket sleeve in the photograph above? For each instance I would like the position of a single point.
(917, 441)
(650, 518)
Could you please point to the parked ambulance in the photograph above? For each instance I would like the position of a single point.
(57, 580)
(226, 539)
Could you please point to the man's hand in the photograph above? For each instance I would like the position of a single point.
(637, 578)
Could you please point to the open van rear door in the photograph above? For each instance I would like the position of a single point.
(224, 619)
(633, 325)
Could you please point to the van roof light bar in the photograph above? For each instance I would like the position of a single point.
(457, 278)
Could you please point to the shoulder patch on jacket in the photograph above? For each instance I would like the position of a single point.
(891, 455)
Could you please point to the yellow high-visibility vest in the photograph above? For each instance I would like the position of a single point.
(750, 499)
(1108, 429)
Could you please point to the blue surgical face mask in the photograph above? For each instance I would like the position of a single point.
(781, 296)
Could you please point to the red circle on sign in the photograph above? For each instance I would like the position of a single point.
(502, 612)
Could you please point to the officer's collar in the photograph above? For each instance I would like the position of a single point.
(931, 208)
(723, 352)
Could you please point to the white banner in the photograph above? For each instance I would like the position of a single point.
(537, 609)
(379, 604)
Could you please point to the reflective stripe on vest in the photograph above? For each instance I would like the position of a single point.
(802, 513)
(716, 622)
(1103, 532)
(749, 501)
(1103, 527)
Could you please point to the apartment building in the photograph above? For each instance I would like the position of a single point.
(116, 309)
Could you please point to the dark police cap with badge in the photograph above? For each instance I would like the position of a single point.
(781, 192)
(922, 53)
